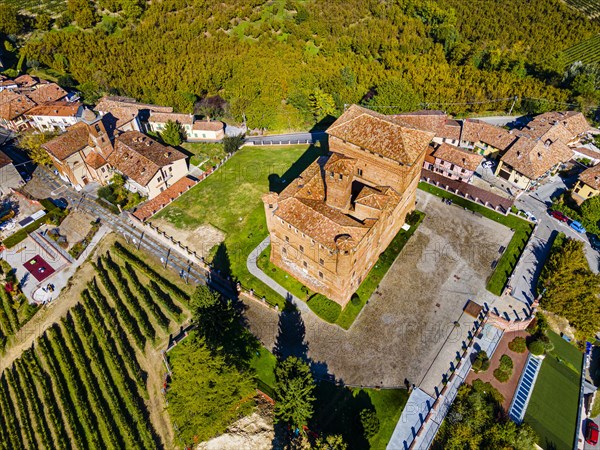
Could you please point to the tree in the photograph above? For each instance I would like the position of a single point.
(43, 21)
(369, 422)
(173, 134)
(32, 142)
(83, 12)
(321, 104)
(482, 362)
(211, 107)
(10, 21)
(570, 288)
(232, 144)
(396, 93)
(294, 387)
(330, 442)
(537, 347)
(518, 345)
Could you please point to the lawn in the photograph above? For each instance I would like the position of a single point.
(204, 155)
(321, 305)
(230, 200)
(337, 407)
(522, 230)
(552, 410)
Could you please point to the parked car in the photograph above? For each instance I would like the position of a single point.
(530, 216)
(559, 216)
(488, 164)
(594, 241)
(577, 226)
(591, 432)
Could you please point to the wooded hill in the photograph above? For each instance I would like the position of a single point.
(290, 63)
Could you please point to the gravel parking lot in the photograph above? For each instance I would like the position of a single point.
(406, 332)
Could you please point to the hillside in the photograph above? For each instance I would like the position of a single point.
(286, 64)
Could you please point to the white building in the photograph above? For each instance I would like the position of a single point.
(55, 116)
(195, 130)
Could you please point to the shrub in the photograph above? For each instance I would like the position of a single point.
(325, 308)
(482, 362)
(537, 348)
(501, 375)
(518, 344)
(506, 363)
(370, 422)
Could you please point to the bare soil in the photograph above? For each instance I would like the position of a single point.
(199, 240)
(76, 226)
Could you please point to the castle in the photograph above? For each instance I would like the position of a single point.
(329, 226)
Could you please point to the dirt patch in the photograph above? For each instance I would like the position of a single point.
(199, 240)
(559, 324)
(253, 432)
(76, 226)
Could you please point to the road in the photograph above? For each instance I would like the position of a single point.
(291, 138)
(186, 268)
(525, 276)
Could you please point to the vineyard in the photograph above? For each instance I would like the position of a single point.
(587, 51)
(590, 8)
(15, 311)
(52, 7)
(85, 383)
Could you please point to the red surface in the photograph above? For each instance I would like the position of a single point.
(39, 268)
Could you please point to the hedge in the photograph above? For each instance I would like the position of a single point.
(326, 309)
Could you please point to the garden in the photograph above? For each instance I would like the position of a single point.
(512, 253)
(204, 155)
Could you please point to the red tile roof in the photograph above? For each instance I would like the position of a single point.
(206, 125)
(458, 156)
(478, 131)
(591, 177)
(45, 93)
(60, 109)
(533, 158)
(151, 207)
(163, 117)
(13, 104)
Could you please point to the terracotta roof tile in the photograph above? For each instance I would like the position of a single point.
(45, 93)
(339, 163)
(478, 131)
(4, 159)
(95, 160)
(76, 138)
(591, 177)
(60, 108)
(384, 135)
(588, 152)
(433, 121)
(151, 207)
(458, 156)
(206, 125)
(139, 157)
(26, 80)
(378, 198)
(533, 158)
(108, 103)
(13, 104)
(162, 117)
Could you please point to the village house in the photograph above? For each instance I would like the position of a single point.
(528, 161)
(148, 166)
(446, 130)
(485, 139)
(452, 162)
(329, 226)
(9, 176)
(568, 127)
(195, 130)
(55, 116)
(588, 184)
(588, 154)
(126, 114)
(80, 154)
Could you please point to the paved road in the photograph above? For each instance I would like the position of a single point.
(187, 269)
(526, 274)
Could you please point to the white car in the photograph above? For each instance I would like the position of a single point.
(488, 164)
(530, 216)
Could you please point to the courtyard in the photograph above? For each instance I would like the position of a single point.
(410, 319)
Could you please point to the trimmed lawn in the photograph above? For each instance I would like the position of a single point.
(230, 200)
(552, 410)
(522, 230)
(325, 310)
(337, 408)
(204, 154)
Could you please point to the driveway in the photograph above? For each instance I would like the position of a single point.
(407, 331)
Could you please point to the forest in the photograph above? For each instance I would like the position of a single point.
(289, 64)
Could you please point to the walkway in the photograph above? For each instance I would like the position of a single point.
(258, 273)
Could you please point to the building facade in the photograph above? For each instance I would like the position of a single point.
(329, 226)
(452, 162)
(588, 184)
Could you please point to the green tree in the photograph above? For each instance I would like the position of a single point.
(173, 134)
(32, 143)
(232, 144)
(396, 93)
(330, 442)
(294, 387)
(43, 21)
(10, 21)
(205, 394)
(321, 104)
(83, 12)
(369, 422)
(570, 288)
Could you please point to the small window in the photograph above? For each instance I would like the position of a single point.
(321, 261)
(305, 264)
(331, 174)
(321, 275)
(302, 248)
(283, 250)
(287, 239)
(103, 170)
(171, 169)
(359, 171)
(159, 179)
(341, 176)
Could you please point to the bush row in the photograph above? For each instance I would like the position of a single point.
(13, 429)
(130, 323)
(144, 295)
(20, 404)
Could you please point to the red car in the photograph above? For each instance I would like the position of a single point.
(559, 216)
(591, 433)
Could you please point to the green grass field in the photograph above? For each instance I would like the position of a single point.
(230, 200)
(337, 407)
(552, 410)
(522, 230)
(204, 155)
